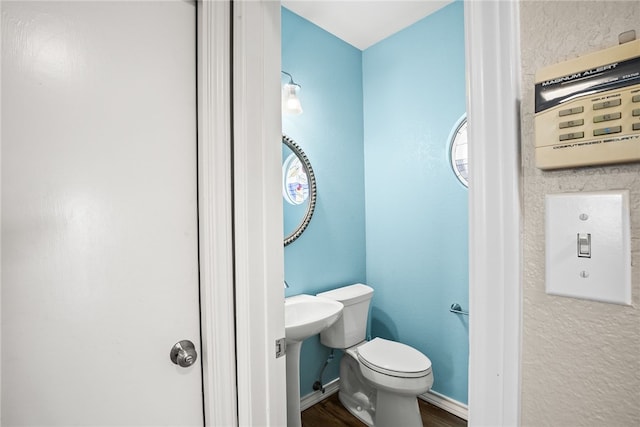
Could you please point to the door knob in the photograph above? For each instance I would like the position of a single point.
(183, 353)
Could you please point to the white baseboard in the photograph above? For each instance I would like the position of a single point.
(318, 396)
(441, 401)
(458, 409)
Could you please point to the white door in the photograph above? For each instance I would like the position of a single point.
(99, 213)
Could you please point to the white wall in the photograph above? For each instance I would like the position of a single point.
(581, 359)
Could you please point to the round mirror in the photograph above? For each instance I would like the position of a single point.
(298, 190)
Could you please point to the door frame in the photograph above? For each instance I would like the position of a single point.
(242, 255)
(495, 253)
(258, 226)
(215, 201)
(492, 44)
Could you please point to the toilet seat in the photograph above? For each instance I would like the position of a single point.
(393, 358)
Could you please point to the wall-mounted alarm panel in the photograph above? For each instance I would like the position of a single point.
(587, 110)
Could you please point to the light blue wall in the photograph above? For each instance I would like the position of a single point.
(330, 253)
(380, 120)
(416, 210)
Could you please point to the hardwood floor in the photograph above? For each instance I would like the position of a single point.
(331, 413)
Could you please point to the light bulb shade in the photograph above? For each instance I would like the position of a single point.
(290, 102)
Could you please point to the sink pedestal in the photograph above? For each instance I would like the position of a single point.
(304, 316)
(293, 384)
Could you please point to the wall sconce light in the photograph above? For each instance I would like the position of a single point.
(290, 102)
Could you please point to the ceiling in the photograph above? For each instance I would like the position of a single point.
(363, 23)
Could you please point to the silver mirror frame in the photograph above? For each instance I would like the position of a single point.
(295, 148)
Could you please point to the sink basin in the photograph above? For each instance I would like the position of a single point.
(307, 315)
(304, 316)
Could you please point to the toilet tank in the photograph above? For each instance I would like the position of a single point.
(351, 327)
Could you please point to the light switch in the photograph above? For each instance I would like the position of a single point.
(588, 246)
(584, 245)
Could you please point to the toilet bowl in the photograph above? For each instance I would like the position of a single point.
(379, 379)
(395, 367)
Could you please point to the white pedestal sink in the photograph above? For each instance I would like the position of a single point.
(304, 316)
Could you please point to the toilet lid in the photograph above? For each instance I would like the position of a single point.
(394, 358)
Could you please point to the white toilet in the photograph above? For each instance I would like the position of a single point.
(379, 379)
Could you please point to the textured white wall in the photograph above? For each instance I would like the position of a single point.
(580, 359)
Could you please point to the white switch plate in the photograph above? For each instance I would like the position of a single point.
(606, 275)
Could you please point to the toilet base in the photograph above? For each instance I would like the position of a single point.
(391, 410)
(374, 407)
(394, 410)
(357, 396)
(358, 405)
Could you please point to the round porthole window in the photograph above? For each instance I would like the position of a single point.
(459, 152)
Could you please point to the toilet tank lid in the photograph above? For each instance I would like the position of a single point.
(348, 295)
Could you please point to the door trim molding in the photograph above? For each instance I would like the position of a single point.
(258, 226)
(492, 40)
(215, 212)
